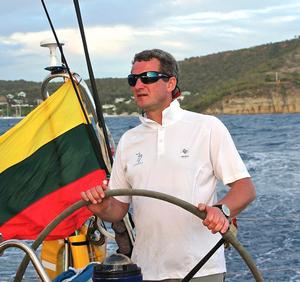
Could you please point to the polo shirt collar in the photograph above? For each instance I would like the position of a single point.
(170, 115)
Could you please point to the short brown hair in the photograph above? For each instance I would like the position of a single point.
(168, 64)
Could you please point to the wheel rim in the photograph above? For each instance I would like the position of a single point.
(228, 236)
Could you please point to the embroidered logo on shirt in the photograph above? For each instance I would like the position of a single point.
(184, 153)
(139, 159)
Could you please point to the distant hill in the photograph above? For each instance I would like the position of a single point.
(218, 81)
(261, 79)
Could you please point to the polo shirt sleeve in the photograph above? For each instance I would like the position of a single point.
(118, 178)
(227, 163)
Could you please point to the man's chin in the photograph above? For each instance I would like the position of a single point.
(142, 105)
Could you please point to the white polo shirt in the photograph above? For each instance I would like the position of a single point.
(183, 157)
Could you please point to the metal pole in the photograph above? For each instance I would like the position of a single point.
(30, 254)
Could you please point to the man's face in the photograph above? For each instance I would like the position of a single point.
(153, 97)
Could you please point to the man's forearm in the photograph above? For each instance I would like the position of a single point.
(109, 209)
(240, 195)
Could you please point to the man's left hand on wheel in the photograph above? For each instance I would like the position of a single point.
(215, 220)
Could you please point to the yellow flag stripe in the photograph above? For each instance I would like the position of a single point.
(55, 116)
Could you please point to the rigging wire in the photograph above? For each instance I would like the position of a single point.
(92, 80)
(94, 140)
(64, 59)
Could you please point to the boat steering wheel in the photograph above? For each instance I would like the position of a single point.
(228, 236)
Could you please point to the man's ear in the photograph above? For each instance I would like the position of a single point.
(172, 82)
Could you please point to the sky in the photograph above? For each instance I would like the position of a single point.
(117, 29)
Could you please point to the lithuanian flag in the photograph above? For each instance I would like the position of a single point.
(45, 161)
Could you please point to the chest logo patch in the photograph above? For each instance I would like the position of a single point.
(184, 153)
(139, 159)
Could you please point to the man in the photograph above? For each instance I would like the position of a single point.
(180, 153)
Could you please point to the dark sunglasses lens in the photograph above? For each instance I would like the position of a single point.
(132, 79)
(149, 79)
(146, 77)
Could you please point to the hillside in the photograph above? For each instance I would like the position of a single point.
(261, 79)
(230, 82)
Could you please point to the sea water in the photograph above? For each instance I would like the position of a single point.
(270, 227)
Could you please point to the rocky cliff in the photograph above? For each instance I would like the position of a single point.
(278, 100)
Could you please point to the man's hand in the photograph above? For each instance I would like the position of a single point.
(108, 209)
(96, 197)
(215, 220)
(96, 194)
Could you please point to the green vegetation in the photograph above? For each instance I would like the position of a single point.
(241, 73)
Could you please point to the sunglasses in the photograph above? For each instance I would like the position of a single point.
(146, 77)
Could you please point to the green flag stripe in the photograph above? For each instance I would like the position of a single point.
(59, 162)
